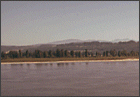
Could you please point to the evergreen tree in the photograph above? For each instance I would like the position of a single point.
(3, 55)
(86, 53)
(98, 54)
(104, 54)
(79, 54)
(50, 53)
(13, 54)
(72, 53)
(137, 53)
(62, 54)
(113, 53)
(132, 53)
(27, 54)
(38, 54)
(91, 54)
(76, 54)
(58, 53)
(30, 54)
(107, 53)
(45, 54)
(20, 53)
(124, 53)
(119, 53)
(66, 53)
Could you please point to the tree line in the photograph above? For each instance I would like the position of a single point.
(65, 53)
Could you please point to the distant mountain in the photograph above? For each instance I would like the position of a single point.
(74, 41)
(75, 44)
(49, 45)
(66, 41)
(121, 40)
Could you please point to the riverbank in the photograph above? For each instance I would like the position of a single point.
(67, 61)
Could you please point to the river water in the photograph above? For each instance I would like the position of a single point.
(71, 79)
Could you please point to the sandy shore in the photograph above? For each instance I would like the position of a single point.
(71, 61)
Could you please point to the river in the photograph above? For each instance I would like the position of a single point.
(71, 79)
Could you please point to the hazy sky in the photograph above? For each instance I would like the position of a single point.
(33, 22)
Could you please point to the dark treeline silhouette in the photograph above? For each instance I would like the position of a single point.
(65, 53)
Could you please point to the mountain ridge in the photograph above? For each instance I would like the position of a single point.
(70, 44)
(65, 41)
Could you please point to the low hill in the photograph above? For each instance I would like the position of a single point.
(91, 46)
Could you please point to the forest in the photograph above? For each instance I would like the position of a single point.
(66, 54)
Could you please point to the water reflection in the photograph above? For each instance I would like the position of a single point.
(66, 63)
(14, 64)
(51, 64)
(38, 65)
(28, 65)
(73, 63)
(60, 64)
(21, 65)
(86, 63)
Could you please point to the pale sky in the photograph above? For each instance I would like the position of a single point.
(34, 22)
